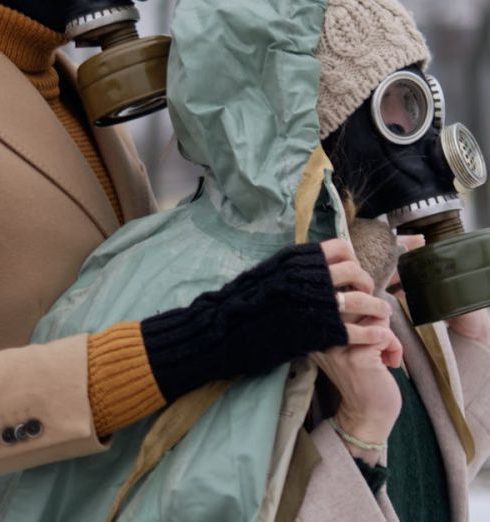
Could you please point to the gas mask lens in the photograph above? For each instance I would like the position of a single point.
(402, 107)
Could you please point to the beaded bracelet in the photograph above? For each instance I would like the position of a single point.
(355, 441)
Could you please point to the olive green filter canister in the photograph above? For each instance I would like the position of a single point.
(125, 81)
(447, 278)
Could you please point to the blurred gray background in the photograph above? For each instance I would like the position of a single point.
(458, 33)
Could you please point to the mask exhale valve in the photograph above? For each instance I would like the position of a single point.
(128, 78)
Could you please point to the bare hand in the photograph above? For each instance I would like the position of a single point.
(475, 325)
(344, 267)
(370, 398)
(356, 286)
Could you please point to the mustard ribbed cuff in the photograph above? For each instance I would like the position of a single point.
(122, 388)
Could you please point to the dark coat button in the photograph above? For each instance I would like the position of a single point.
(33, 428)
(20, 432)
(8, 436)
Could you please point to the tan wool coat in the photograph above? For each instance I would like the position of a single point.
(337, 492)
(53, 214)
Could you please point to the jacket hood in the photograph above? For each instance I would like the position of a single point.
(242, 90)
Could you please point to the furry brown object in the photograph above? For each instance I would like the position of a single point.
(376, 248)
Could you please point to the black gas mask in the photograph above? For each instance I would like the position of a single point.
(128, 78)
(396, 157)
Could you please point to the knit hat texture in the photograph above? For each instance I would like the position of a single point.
(363, 41)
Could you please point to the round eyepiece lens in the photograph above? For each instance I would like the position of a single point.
(403, 108)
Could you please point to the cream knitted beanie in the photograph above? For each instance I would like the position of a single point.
(363, 41)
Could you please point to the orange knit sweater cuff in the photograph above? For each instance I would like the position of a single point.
(122, 389)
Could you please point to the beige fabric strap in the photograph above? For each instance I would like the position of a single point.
(168, 430)
(178, 418)
(438, 364)
(308, 191)
(304, 460)
(305, 455)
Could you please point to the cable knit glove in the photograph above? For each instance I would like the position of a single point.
(282, 309)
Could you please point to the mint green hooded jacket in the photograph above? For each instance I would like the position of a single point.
(242, 92)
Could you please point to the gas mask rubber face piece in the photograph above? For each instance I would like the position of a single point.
(396, 157)
(48, 12)
(128, 78)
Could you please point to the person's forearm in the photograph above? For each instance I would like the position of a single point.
(366, 458)
(46, 385)
(370, 433)
(281, 309)
(122, 388)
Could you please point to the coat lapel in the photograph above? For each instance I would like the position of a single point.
(127, 172)
(420, 371)
(29, 128)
